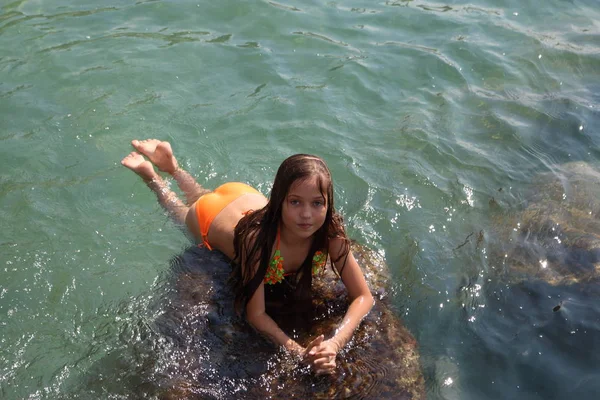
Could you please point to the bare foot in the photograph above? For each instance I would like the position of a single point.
(138, 164)
(159, 153)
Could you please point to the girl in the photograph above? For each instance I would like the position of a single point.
(276, 245)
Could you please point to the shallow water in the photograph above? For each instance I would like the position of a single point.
(424, 111)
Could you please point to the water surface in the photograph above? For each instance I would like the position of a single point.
(424, 111)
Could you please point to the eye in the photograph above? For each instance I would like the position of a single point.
(318, 203)
(294, 202)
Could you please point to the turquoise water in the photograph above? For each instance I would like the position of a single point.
(424, 112)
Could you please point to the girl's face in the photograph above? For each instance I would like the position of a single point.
(304, 208)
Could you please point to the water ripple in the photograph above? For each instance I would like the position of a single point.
(321, 37)
(284, 6)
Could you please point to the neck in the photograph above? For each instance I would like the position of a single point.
(288, 238)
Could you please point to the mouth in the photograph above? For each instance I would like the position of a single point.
(305, 226)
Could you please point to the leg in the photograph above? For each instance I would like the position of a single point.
(161, 155)
(167, 199)
(192, 190)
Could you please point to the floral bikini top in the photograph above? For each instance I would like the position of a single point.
(275, 272)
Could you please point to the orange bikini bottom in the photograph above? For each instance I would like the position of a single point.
(211, 204)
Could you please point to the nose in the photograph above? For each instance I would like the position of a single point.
(305, 212)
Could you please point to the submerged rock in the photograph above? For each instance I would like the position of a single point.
(214, 354)
(556, 238)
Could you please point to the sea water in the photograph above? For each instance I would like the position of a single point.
(428, 113)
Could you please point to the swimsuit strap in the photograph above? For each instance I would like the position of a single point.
(275, 271)
(318, 262)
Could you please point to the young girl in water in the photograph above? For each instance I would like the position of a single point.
(276, 245)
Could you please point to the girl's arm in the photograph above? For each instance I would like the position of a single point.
(262, 322)
(361, 302)
(255, 308)
(256, 314)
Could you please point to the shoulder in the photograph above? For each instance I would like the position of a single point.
(338, 247)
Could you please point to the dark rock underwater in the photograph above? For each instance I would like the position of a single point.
(213, 354)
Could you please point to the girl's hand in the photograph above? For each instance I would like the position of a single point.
(322, 356)
(304, 353)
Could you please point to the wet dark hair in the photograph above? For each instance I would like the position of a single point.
(259, 229)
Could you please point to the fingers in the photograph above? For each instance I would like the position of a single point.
(324, 363)
(320, 356)
(323, 354)
(330, 371)
(310, 349)
(324, 366)
(324, 351)
(317, 341)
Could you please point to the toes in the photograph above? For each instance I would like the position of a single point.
(165, 146)
(145, 146)
(137, 143)
(131, 156)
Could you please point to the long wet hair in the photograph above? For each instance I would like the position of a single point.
(259, 229)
